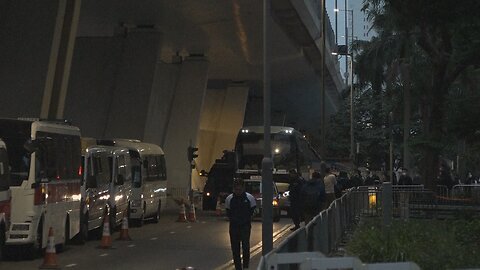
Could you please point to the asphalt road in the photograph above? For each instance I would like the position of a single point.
(167, 245)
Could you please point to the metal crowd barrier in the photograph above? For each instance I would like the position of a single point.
(324, 233)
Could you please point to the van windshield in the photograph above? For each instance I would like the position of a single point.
(15, 133)
(253, 187)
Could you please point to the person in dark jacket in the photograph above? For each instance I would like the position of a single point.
(313, 197)
(405, 179)
(294, 190)
(240, 206)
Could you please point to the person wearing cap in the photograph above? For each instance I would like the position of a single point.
(240, 206)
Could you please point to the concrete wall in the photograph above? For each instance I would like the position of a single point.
(26, 31)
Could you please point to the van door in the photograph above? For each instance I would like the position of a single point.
(122, 183)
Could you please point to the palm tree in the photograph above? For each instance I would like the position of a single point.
(442, 36)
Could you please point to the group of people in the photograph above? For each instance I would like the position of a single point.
(309, 198)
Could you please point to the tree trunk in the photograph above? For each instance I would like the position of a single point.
(406, 115)
(432, 125)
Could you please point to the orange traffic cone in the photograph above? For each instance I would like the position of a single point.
(218, 209)
(106, 241)
(50, 260)
(124, 230)
(182, 215)
(191, 213)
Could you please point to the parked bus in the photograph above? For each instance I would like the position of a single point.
(149, 179)
(45, 168)
(290, 150)
(106, 187)
(4, 194)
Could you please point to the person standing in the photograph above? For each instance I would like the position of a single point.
(240, 206)
(294, 190)
(330, 180)
(405, 179)
(312, 197)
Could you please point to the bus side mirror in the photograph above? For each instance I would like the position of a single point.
(31, 146)
(91, 181)
(120, 179)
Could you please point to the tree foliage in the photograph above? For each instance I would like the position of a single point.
(431, 49)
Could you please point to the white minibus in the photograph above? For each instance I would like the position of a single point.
(149, 179)
(106, 188)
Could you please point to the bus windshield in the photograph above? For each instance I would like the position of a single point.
(249, 150)
(15, 134)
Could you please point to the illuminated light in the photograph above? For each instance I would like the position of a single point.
(104, 197)
(277, 150)
(336, 10)
(159, 190)
(80, 170)
(304, 136)
(58, 177)
(141, 196)
(76, 197)
(334, 53)
(275, 203)
(208, 194)
(372, 200)
(118, 197)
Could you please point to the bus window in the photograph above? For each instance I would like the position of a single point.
(162, 167)
(122, 170)
(59, 155)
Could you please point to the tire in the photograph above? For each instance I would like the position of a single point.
(2, 241)
(35, 249)
(156, 217)
(276, 216)
(83, 234)
(112, 219)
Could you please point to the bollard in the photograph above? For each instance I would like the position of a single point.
(387, 199)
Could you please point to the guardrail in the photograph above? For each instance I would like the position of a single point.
(307, 246)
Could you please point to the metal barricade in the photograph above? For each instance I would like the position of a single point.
(324, 233)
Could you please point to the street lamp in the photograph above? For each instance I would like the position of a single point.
(344, 51)
(336, 10)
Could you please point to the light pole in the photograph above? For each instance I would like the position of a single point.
(352, 155)
(267, 182)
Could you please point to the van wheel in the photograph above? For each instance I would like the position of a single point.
(112, 219)
(2, 241)
(156, 217)
(35, 249)
(276, 218)
(83, 234)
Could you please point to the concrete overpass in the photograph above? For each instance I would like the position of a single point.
(169, 72)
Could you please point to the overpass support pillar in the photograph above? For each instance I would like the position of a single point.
(61, 53)
(132, 84)
(222, 117)
(183, 122)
